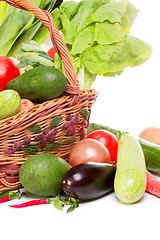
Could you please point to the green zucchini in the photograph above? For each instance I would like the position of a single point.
(151, 151)
(130, 178)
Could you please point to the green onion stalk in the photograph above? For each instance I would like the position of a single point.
(18, 26)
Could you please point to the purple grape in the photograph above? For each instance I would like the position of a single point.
(27, 140)
(43, 143)
(54, 131)
(50, 138)
(76, 118)
(40, 137)
(45, 131)
(66, 125)
(9, 150)
(71, 131)
(17, 145)
(69, 117)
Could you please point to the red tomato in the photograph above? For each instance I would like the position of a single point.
(109, 140)
(88, 150)
(51, 52)
(8, 71)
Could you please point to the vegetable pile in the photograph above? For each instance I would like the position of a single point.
(88, 178)
(96, 33)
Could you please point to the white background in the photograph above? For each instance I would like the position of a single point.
(129, 102)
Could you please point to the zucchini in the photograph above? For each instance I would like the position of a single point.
(151, 151)
(130, 178)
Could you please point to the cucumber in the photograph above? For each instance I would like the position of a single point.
(151, 151)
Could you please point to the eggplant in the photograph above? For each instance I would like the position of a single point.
(88, 181)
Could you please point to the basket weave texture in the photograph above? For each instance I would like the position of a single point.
(74, 103)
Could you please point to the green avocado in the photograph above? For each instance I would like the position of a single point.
(39, 84)
(130, 178)
(42, 174)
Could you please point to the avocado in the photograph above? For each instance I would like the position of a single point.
(130, 177)
(39, 84)
(42, 174)
(9, 103)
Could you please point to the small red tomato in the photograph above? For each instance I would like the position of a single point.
(88, 150)
(51, 52)
(8, 71)
(109, 140)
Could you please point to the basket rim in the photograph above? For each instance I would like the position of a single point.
(47, 106)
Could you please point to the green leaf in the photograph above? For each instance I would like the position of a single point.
(35, 59)
(132, 52)
(57, 204)
(113, 58)
(103, 27)
(112, 12)
(84, 113)
(70, 8)
(71, 208)
(60, 202)
(30, 149)
(16, 194)
(108, 33)
(14, 25)
(129, 17)
(26, 62)
(86, 36)
(5, 10)
(4, 193)
(25, 37)
(52, 146)
(69, 140)
(41, 35)
(35, 128)
(19, 26)
(32, 46)
(69, 30)
(17, 22)
(85, 11)
(102, 33)
(23, 61)
(76, 63)
(55, 121)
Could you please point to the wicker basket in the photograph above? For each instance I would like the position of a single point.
(73, 106)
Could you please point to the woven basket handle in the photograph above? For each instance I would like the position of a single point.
(56, 38)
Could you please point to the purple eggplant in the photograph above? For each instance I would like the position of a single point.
(88, 181)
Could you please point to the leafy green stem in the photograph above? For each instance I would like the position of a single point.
(60, 202)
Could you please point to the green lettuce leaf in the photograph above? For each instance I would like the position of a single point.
(112, 11)
(129, 17)
(96, 33)
(115, 57)
(102, 33)
(108, 33)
